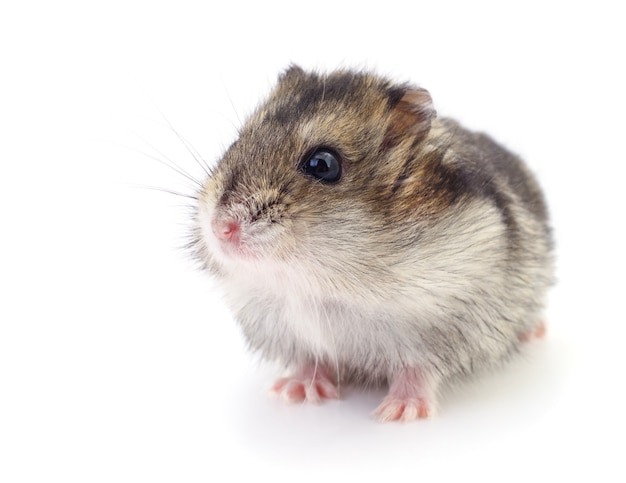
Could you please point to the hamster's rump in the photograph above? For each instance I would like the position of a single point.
(355, 232)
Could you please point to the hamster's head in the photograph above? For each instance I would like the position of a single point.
(326, 175)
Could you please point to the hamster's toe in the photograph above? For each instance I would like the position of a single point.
(404, 409)
(411, 397)
(309, 384)
(537, 333)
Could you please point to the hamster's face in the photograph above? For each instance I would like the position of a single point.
(318, 176)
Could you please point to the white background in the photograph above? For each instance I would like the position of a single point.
(118, 361)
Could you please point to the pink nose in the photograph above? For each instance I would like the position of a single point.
(226, 229)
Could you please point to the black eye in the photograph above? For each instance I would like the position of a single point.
(324, 165)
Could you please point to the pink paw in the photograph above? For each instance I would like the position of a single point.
(538, 333)
(311, 385)
(405, 410)
(411, 397)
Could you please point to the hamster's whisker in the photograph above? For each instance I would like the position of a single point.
(194, 152)
(169, 164)
(315, 369)
(189, 147)
(232, 104)
(334, 352)
(165, 160)
(169, 191)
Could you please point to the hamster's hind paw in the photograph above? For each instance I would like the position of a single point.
(538, 332)
(310, 384)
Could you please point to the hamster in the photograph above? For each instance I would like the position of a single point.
(359, 238)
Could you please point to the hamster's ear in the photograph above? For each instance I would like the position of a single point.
(410, 117)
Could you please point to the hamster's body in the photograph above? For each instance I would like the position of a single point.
(414, 253)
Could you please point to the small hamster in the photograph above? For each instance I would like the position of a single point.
(359, 238)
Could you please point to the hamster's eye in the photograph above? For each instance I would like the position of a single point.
(323, 164)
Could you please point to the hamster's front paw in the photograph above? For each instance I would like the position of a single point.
(311, 383)
(411, 397)
(404, 409)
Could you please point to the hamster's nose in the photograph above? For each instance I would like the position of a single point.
(226, 229)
